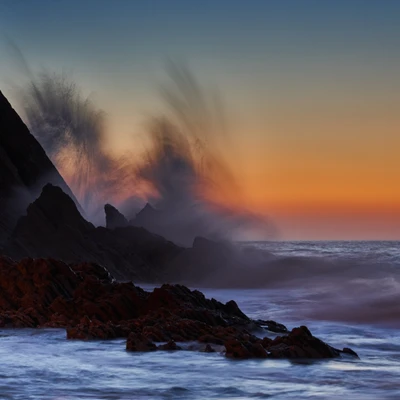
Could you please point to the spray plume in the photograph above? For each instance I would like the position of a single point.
(183, 165)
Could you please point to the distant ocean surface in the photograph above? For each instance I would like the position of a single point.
(380, 250)
(347, 293)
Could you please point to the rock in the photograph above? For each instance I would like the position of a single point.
(171, 345)
(92, 329)
(208, 349)
(232, 308)
(351, 352)
(24, 169)
(51, 291)
(236, 349)
(272, 326)
(266, 342)
(114, 219)
(90, 304)
(258, 351)
(138, 342)
(54, 227)
(300, 343)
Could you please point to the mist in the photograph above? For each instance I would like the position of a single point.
(182, 171)
(185, 164)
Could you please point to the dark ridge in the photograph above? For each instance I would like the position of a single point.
(53, 227)
(114, 219)
(24, 168)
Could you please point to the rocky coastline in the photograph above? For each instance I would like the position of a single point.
(90, 304)
(52, 274)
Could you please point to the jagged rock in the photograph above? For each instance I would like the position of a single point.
(89, 329)
(53, 227)
(139, 342)
(300, 343)
(147, 217)
(236, 349)
(24, 169)
(114, 219)
(351, 352)
(49, 291)
(90, 304)
(178, 222)
(272, 326)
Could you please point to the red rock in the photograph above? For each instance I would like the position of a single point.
(139, 342)
(85, 299)
(300, 343)
(236, 349)
(171, 345)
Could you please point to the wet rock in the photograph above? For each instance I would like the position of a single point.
(90, 304)
(351, 352)
(232, 308)
(139, 342)
(272, 326)
(171, 345)
(300, 343)
(245, 348)
(266, 342)
(89, 329)
(208, 349)
(236, 349)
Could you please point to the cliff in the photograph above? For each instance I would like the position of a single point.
(24, 169)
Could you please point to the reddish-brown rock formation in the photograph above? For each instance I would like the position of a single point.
(90, 304)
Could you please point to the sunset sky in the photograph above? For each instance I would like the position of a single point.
(311, 90)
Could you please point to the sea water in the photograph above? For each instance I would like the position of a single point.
(345, 307)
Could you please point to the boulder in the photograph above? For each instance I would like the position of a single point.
(139, 342)
(300, 343)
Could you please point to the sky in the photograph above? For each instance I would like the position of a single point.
(311, 90)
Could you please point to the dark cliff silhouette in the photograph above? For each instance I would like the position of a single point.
(24, 169)
(53, 227)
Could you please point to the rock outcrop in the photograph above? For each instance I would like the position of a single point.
(148, 217)
(24, 169)
(114, 219)
(53, 227)
(90, 304)
(178, 222)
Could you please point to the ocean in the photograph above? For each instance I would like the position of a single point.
(347, 293)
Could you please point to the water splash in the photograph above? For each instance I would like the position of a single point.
(183, 168)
